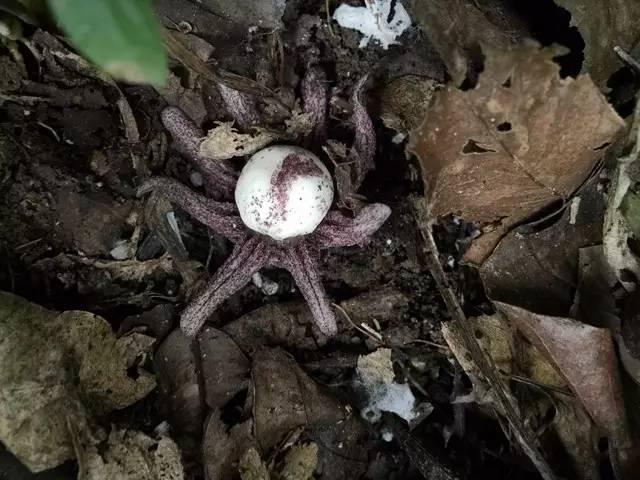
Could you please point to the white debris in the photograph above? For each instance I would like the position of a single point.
(374, 374)
(372, 21)
(120, 251)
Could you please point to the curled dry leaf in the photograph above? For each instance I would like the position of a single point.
(224, 142)
(60, 367)
(522, 139)
(570, 425)
(586, 358)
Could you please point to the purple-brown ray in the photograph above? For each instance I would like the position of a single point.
(302, 262)
(218, 175)
(220, 217)
(363, 149)
(246, 259)
(241, 106)
(338, 230)
(315, 100)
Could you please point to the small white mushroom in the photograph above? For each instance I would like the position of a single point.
(284, 192)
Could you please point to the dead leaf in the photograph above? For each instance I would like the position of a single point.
(60, 367)
(618, 232)
(586, 358)
(571, 435)
(225, 369)
(223, 447)
(224, 142)
(179, 386)
(544, 264)
(131, 455)
(604, 25)
(522, 139)
(405, 100)
(457, 29)
(300, 462)
(286, 398)
(252, 467)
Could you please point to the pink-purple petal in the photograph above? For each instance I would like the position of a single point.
(220, 217)
(302, 262)
(315, 100)
(241, 106)
(246, 259)
(338, 230)
(220, 178)
(363, 149)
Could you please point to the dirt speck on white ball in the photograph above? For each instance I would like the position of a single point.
(284, 192)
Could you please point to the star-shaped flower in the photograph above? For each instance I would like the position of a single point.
(281, 215)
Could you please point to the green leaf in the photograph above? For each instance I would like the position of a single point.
(120, 36)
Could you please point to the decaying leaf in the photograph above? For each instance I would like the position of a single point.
(178, 385)
(225, 368)
(544, 264)
(514, 358)
(300, 462)
(404, 102)
(586, 358)
(252, 467)
(604, 25)
(60, 367)
(131, 455)
(522, 139)
(224, 142)
(457, 29)
(223, 447)
(286, 398)
(618, 231)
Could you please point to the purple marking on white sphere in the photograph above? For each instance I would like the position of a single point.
(284, 192)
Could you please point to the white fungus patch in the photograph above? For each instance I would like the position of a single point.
(284, 192)
(372, 21)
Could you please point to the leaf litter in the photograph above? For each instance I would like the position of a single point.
(537, 352)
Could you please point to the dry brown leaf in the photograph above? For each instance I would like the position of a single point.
(178, 385)
(571, 427)
(225, 369)
(522, 139)
(287, 398)
(527, 266)
(224, 142)
(586, 358)
(223, 446)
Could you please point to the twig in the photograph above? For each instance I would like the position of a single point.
(627, 58)
(373, 335)
(484, 362)
(327, 9)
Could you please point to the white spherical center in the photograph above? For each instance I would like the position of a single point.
(284, 192)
